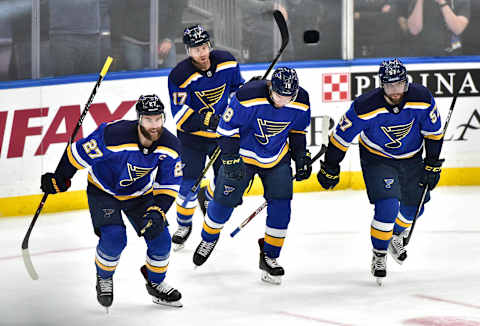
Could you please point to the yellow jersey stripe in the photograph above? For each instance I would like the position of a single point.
(298, 131)
(254, 101)
(169, 192)
(189, 79)
(206, 134)
(72, 159)
(185, 117)
(119, 197)
(434, 137)
(123, 146)
(253, 161)
(373, 113)
(337, 144)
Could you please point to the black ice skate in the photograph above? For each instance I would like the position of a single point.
(396, 247)
(162, 293)
(105, 291)
(379, 265)
(203, 251)
(180, 236)
(202, 200)
(272, 272)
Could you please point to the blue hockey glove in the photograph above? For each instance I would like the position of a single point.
(303, 166)
(211, 120)
(431, 173)
(52, 183)
(328, 176)
(233, 166)
(153, 222)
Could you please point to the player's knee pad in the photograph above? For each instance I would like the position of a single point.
(409, 211)
(218, 213)
(160, 245)
(113, 239)
(386, 210)
(278, 213)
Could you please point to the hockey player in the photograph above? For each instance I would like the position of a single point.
(200, 87)
(395, 123)
(254, 131)
(133, 167)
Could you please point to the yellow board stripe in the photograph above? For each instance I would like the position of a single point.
(277, 242)
(185, 211)
(105, 268)
(155, 269)
(72, 159)
(381, 234)
(402, 224)
(210, 230)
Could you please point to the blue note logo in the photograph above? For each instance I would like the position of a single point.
(134, 173)
(107, 212)
(396, 133)
(269, 129)
(227, 190)
(388, 183)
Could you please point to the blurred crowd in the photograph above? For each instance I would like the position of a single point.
(75, 36)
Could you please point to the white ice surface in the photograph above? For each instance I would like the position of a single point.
(326, 256)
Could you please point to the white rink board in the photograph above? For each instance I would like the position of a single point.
(21, 170)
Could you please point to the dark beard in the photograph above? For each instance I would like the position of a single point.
(395, 102)
(147, 135)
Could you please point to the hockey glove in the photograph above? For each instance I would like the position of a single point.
(303, 166)
(328, 176)
(52, 183)
(153, 222)
(233, 166)
(431, 173)
(211, 120)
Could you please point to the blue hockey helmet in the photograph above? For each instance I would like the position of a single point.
(149, 105)
(195, 35)
(392, 71)
(285, 81)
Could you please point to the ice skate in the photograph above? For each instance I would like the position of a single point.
(272, 272)
(203, 251)
(202, 200)
(105, 291)
(162, 293)
(396, 247)
(180, 236)
(379, 265)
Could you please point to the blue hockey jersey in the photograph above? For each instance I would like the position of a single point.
(263, 129)
(193, 92)
(383, 131)
(120, 166)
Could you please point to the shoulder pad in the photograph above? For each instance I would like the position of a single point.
(182, 71)
(169, 140)
(252, 90)
(369, 101)
(418, 93)
(120, 132)
(222, 56)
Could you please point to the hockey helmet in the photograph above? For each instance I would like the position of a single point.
(393, 71)
(149, 105)
(194, 36)
(285, 81)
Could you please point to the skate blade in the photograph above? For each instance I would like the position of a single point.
(271, 278)
(178, 246)
(176, 304)
(379, 281)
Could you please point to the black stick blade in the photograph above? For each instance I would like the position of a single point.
(282, 26)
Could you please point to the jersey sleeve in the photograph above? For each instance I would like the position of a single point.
(167, 182)
(186, 119)
(431, 124)
(237, 80)
(233, 118)
(347, 128)
(88, 151)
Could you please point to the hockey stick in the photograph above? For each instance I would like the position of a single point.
(282, 26)
(425, 189)
(323, 149)
(25, 252)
